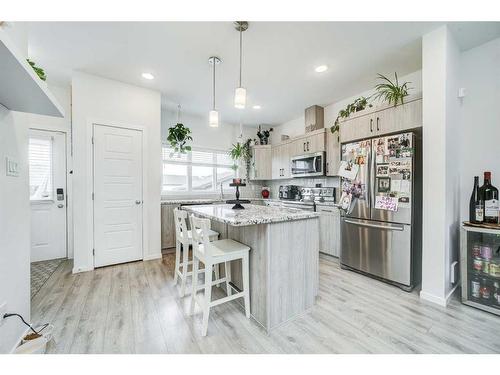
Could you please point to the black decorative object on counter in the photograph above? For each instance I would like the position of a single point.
(237, 202)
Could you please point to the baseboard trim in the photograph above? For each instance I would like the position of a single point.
(441, 301)
(152, 256)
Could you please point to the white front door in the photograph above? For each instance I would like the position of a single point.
(47, 175)
(117, 195)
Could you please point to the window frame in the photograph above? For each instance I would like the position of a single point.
(189, 163)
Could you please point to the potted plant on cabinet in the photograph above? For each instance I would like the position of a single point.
(358, 105)
(264, 135)
(391, 92)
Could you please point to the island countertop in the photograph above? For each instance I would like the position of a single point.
(251, 215)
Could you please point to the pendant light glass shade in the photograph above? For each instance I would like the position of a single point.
(213, 119)
(213, 115)
(240, 97)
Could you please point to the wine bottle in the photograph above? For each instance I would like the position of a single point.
(489, 194)
(476, 205)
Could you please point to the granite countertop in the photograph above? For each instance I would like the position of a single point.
(251, 215)
(207, 200)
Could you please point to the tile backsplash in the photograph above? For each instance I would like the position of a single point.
(274, 185)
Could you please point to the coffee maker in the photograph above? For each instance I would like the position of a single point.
(289, 192)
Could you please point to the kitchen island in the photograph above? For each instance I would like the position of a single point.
(283, 257)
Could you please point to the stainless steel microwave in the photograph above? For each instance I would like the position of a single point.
(308, 165)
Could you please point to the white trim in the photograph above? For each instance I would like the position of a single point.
(152, 256)
(90, 185)
(436, 299)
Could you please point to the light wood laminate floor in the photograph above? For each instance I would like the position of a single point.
(135, 308)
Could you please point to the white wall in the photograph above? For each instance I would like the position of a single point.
(480, 116)
(106, 101)
(296, 126)
(441, 187)
(14, 218)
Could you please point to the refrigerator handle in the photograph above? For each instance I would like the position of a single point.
(373, 173)
(378, 226)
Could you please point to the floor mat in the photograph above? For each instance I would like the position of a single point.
(40, 273)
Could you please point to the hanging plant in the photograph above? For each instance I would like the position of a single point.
(39, 71)
(390, 91)
(178, 136)
(358, 105)
(242, 151)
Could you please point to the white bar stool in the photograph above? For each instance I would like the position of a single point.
(184, 238)
(214, 253)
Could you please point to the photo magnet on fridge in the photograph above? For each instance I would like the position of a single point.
(382, 170)
(383, 184)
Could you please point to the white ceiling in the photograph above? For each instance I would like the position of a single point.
(278, 59)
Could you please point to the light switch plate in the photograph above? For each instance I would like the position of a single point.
(11, 167)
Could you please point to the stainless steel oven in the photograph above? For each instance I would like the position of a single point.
(308, 165)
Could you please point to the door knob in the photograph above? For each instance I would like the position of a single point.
(137, 202)
(60, 205)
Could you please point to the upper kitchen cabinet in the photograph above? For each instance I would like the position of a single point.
(20, 88)
(386, 121)
(281, 161)
(261, 163)
(309, 143)
(332, 153)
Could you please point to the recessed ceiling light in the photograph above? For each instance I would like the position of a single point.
(148, 76)
(256, 106)
(321, 69)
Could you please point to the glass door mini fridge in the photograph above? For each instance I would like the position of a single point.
(480, 267)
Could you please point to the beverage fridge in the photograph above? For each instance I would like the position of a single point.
(381, 228)
(480, 267)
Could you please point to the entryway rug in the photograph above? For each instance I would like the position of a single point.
(40, 273)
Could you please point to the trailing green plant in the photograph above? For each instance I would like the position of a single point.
(391, 91)
(178, 136)
(242, 151)
(39, 71)
(358, 105)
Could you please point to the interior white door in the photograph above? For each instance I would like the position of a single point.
(47, 175)
(117, 195)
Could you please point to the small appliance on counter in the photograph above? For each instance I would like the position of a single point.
(325, 195)
(265, 192)
(289, 192)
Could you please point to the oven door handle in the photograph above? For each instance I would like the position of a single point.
(378, 226)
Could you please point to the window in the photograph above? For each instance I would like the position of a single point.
(199, 171)
(40, 168)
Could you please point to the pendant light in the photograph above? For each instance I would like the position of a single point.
(240, 94)
(213, 116)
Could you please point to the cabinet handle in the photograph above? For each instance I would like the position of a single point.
(377, 124)
(307, 145)
(371, 125)
(304, 147)
(327, 168)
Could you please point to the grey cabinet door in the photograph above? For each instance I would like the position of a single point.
(400, 118)
(329, 230)
(167, 225)
(357, 128)
(332, 153)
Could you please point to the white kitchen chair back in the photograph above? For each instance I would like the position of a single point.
(180, 219)
(199, 230)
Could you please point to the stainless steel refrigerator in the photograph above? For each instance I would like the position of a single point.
(378, 239)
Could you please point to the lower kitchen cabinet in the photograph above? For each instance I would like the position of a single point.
(329, 230)
(168, 225)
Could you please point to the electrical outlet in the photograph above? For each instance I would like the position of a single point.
(3, 311)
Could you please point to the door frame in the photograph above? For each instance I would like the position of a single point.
(68, 204)
(90, 186)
